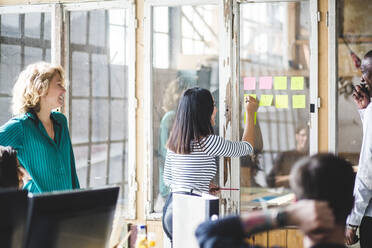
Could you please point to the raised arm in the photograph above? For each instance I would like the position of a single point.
(251, 106)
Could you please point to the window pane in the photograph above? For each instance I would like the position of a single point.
(199, 30)
(117, 163)
(173, 72)
(98, 166)
(10, 25)
(274, 67)
(100, 120)
(17, 51)
(32, 25)
(99, 75)
(81, 161)
(78, 34)
(80, 74)
(98, 81)
(161, 51)
(352, 37)
(119, 109)
(79, 121)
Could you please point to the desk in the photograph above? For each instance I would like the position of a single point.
(257, 198)
(285, 238)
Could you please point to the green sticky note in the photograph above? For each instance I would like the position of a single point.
(299, 101)
(281, 101)
(280, 83)
(266, 100)
(245, 117)
(297, 83)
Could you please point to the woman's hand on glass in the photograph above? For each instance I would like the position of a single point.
(251, 104)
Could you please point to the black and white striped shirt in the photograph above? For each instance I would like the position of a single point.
(197, 169)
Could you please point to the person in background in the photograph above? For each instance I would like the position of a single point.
(320, 212)
(361, 216)
(192, 147)
(279, 174)
(171, 98)
(38, 134)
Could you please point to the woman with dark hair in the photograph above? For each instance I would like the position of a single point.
(191, 149)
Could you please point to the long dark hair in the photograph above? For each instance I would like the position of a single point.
(193, 120)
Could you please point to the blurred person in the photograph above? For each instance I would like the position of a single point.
(171, 98)
(279, 174)
(320, 212)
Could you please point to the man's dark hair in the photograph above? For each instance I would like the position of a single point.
(328, 178)
(8, 167)
(193, 119)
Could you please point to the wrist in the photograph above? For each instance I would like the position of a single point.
(354, 228)
(280, 218)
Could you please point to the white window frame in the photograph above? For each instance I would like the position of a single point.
(148, 39)
(130, 212)
(332, 77)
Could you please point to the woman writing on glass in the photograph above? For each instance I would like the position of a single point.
(191, 149)
(38, 134)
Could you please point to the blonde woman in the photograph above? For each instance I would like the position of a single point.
(39, 134)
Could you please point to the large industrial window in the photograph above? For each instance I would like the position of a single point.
(24, 39)
(97, 51)
(101, 96)
(185, 53)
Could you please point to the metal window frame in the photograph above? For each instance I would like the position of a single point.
(148, 84)
(26, 9)
(67, 8)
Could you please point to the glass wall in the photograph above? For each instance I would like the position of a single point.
(354, 37)
(274, 68)
(185, 54)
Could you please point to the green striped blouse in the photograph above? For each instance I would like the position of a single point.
(49, 162)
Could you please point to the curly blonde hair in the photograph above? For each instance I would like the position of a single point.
(32, 84)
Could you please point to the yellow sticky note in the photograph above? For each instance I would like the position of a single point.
(266, 100)
(299, 101)
(281, 101)
(280, 83)
(252, 95)
(297, 83)
(245, 117)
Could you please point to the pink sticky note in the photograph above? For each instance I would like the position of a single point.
(266, 83)
(249, 83)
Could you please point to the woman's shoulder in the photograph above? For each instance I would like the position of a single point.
(59, 116)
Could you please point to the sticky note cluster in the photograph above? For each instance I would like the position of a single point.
(279, 83)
